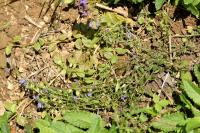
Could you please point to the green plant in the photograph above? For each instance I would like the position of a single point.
(191, 5)
(74, 122)
(180, 122)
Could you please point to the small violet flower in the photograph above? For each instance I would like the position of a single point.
(94, 24)
(83, 2)
(124, 97)
(36, 97)
(83, 8)
(89, 94)
(22, 82)
(40, 105)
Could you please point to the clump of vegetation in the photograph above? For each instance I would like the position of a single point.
(108, 66)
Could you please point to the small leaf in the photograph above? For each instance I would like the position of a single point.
(120, 51)
(21, 121)
(44, 126)
(17, 39)
(159, 4)
(108, 55)
(189, 105)
(169, 122)
(114, 59)
(197, 72)
(81, 119)
(57, 58)
(37, 46)
(4, 128)
(186, 2)
(68, 1)
(8, 49)
(192, 90)
(52, 46)
(89, 80)
(28, 128)
(192, 124)
(10, 106)
(96, 127)
(186, 76)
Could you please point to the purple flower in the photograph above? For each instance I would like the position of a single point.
(40, 105)
(94, 24)
(22, 82)
(89, 94)
(36, 97)
(83, 2)
(83, 8)
(124, 97)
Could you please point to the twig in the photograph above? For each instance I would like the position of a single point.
(166, 77)
(37, 72)
(161, 90)
(55, 78)
(25, 106)
(36, 36)
(181, 36)
(96, 49)
(170, 48)
(112, 10)
(29, 19)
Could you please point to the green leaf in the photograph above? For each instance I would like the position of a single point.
(143, 117)
(21, 121)
(80, 73)
(195, 2)
(186, 76)
(159, 4)
(44, 126)
(52, 46)
(141, 20)
(114, 59)
(10, 106)
(120, 51)
(189, 105)
(28, 128)
(97, 127)
(197, 72)
(17, 39)
(68, 1)
(57, 58)
(37, 46)
(8, 49)
(72, 129)
(169, 122)
(194, 10)
(192, 124)
(192, 91)
(81, 119)
(4, 128)
(186, 2)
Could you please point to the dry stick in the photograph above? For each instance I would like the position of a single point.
(55, 78)
(170, 48)
(25, 106)
(30, 20)
(36, 36)
(110, 9)
(181, 36)
(37, 72)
